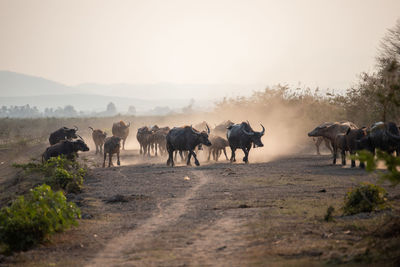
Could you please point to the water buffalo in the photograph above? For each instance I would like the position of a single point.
(65, 147)
(185, 138)
(340, 143)
(63, 133)
(218, 144)
(242, 136)
(329, 130)
(383, 136)
(120, 129)
(352, 136)
(112, 145)
(98, 138)
(143, 136)
(221, 129)
(159, 138)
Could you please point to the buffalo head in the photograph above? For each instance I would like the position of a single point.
(255, 136)
(319, 130)
(203, 136)
(79, 145)
(71, 133)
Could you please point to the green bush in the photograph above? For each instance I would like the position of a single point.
(31, 220)
(59, 173)
(365, 198)
(328, 216)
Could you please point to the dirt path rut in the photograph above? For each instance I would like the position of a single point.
(122, 250)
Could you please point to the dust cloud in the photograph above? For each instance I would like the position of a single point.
(285, 134)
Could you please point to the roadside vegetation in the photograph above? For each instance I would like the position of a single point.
(33, 217)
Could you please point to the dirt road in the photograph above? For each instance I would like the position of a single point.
(219, 214)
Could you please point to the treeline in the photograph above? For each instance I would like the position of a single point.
(68, 111)
(375, 97)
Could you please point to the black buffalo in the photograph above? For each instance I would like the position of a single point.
(242, 136)
(63, 133)
(66, 147)
(383, 136)
(185, 139)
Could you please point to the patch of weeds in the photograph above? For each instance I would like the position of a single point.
(365, 198)
(59, 172)
(33, 219)
(328, 216)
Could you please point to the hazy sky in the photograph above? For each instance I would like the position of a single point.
(315, 42)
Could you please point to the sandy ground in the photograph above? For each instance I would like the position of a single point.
(270, 213)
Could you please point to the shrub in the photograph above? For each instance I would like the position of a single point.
(31, 220)
(365, 198)
(59, 173)
(328, 216)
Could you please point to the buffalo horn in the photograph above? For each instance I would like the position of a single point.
(76, 128)
(129, 124)
(263, 129)
(208, 128)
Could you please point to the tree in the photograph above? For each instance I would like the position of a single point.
(388, 74)
(131, 110)
(377, 95)
(111, 109)
(69, 111)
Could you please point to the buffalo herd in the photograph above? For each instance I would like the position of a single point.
(342, 136)
(345, 136)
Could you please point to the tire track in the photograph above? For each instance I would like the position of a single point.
(118, 251)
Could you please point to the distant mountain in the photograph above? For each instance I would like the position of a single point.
(16, 84)
(165, 90)
(19, 89)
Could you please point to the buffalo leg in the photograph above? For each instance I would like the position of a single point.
(335, 149)
(97, 149)
(216, 154)
(343, 157)
(155, 148)
(353, 161)
(246, 154)
(188, 158)
(170, 160)
(104, 161)
(148, 150)
(191, 152)
(118, 162)
(110, 160)
(123, 144)
(140, 151)
(226, 156)
(101, 148)
(317, 144)
(233, 157)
